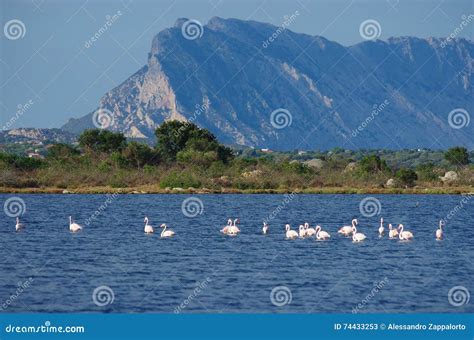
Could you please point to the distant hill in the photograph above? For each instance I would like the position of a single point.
(229, 82)
(32, 135)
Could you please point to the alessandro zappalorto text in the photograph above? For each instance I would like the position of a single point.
(399, 327)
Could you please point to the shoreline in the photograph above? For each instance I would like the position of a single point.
(224, 191)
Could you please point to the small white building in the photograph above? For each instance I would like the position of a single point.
(35, 155)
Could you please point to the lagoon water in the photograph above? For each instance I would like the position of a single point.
(149, 274)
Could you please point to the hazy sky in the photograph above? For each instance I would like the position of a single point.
(47, 70)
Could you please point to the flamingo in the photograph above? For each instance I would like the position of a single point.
(225, 230)
(302, 232)
(439, 232)
(392, 233)
(148, 227)
(18, 225)
(347, 230)
(235, 224)
(265, 228)
(357, 237)
(321, 234)
(290, 234)
(74, 227)
(308, 230)
(404, 235)
(233, 229)
(381, 228)
(166, 233)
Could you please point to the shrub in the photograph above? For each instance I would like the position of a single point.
(117, 159)
(372, 164)
(457, 156)
(426, 172)
(406, 177)
(149, 169)
(138, 155)
(20, 162)
(104, 166)
(61, 152)
(201, 158)
(183, 179)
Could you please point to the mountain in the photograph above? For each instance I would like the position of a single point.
(36, 136)
(375, 94)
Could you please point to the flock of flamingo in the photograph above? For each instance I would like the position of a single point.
(304, 231)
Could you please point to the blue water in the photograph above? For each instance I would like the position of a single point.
(149, 274)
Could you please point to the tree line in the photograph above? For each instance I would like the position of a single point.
(189, 156)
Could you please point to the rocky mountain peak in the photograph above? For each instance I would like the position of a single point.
(255, 84)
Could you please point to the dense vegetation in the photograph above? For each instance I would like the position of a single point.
(186, 156)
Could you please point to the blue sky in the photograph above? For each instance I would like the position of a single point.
(47, 75)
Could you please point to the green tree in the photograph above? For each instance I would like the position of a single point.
(406, 177)
(7, 160)
(102, 140)
(138, 154)
(116, 159)
(426, 172)
(175, 136)
(191, 156)
(172, 137)
(19, 162)
(372, 164)
(457, 156)
(61, 152)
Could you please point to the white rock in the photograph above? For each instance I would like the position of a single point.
(449, 177)
(390, 183)
(351, 167)
(252, 174)
(315, 163)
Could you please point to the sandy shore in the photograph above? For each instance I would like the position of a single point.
(157, 190)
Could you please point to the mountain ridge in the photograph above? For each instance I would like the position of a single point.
(317, 84)
(36, 135)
